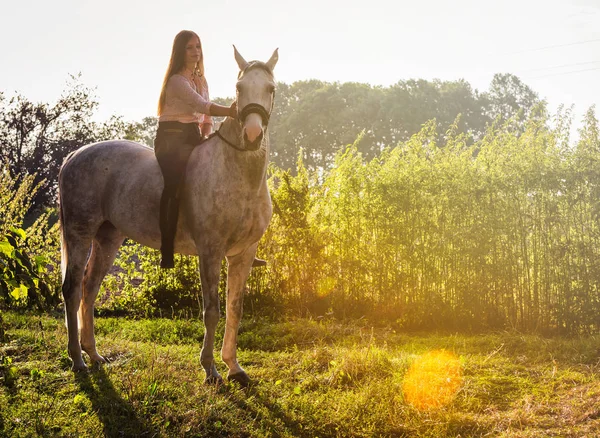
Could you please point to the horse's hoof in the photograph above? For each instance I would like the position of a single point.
(241, 378)
(99, 360)
(79, 368)
(214, 380)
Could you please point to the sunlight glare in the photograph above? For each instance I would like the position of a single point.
(432, 380)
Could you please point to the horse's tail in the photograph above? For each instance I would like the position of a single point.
(64, 253)
(64, 250)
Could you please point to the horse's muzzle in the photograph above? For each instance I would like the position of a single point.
(253, 145)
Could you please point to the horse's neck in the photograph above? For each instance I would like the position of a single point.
(231, 130)
(254, 164)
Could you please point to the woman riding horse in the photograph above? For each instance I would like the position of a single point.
(111, 190)
(184, 111)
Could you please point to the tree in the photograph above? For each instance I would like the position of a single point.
(508, 97)
(36, 137)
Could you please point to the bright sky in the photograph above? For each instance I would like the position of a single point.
(122, 47)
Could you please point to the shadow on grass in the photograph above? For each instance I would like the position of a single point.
(255, 404)
(118, 417)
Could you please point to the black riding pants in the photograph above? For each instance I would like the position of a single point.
(173, 145)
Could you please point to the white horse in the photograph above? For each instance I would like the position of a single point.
(111, 190)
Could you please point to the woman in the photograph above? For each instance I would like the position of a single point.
(184, 117)
(184, 112)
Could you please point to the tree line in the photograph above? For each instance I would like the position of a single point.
(314, 116)
(387, 204)
(501, 233)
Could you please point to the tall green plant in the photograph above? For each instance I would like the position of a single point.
(28, 258)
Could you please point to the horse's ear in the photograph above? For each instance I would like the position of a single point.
(274, 58)
(241, 62)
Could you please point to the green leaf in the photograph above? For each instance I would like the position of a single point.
(40, 262)
(297, 390)
(19, 232)
(6, 248)
(19, 292)
(36, 374)
(278, 382)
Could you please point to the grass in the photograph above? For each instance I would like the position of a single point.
(312, 379)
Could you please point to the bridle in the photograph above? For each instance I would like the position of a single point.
(257, 108)
(251, 108)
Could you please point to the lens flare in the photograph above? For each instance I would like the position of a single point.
(432, 380)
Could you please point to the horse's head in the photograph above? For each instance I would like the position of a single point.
(255, 96)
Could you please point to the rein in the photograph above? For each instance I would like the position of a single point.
(218, 134)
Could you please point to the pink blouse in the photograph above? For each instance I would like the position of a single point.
(185, 104)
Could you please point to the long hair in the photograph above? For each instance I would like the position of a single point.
(177, 62)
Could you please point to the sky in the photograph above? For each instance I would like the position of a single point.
(122, 47)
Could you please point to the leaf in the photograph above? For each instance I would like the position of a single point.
(6, 248)
(297, 390)
(36, 374)
(19, 232)
(152, 388)
(278, 382)
(40, 262)
(19, 292)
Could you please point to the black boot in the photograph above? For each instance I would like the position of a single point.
(169, 213)
(166, 261)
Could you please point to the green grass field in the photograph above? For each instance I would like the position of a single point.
(311, 379)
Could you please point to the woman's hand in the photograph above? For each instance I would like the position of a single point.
(206, 129)
(233, 113)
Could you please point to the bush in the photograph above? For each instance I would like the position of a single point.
(28, 258)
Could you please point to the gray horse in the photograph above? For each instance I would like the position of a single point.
(111, 190)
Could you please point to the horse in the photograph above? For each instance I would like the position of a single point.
(110, 191)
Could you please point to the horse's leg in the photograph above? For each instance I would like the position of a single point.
(210, 271)
(238, 269)
(104, 250)
(77, 249)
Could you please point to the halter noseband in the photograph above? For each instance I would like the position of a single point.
(257, 109)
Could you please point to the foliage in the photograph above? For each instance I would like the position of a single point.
(501, 233)
(28, 262)
(470, 228)
(321, 379)
(20, 282)
(321, 117)
(138, 286)
(36, 137)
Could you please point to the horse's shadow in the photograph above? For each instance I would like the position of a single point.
(116, 415)
(277, 415)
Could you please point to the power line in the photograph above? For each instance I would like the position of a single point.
(559, 66)
(556, 46)
(564, 73)
(537, 49)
